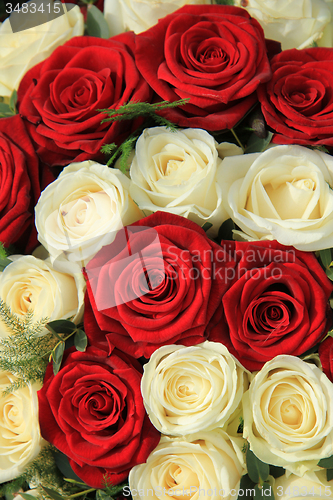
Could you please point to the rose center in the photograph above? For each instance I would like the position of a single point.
(211, 53)
(290, 414)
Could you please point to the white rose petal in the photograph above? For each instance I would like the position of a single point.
(283, 194)
(31, 284)
(294, 23)
(207, 461)
(288, 414)
(176, 172)
(191, 389)
(139, 15)
(20, 439)
(22, 50)
(81, 211)
(311, 485)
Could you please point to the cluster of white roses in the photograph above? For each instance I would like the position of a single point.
(196, 396)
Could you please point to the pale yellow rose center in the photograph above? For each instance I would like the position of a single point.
(178, 477)
(178, 168)
(286, 196)
(288, 408)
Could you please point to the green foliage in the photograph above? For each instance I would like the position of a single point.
(206, 226)
(7, 110)
(327, 263)
(224, 2)
(96, 23)
(27, 351)
(43, 469)
(133, 109)
(257, 144)
(258, 471)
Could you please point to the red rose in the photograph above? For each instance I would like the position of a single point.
(93, 412)
(60, 97)
(277, 304)
(159, 287)
(326, 357)
(297, 102)
(19, 184)
(213, 54)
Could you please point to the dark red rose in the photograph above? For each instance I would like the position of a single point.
(213, 54)
(277, 304)
(93, 412)
(19, 185)
(326, 357)
(60, 97)
(158, 286)
(297, 102)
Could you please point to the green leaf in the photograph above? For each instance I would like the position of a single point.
(206, 226)
(53, 494)
(257, 470)
(96, 23)
(326, 257)
(5, 110)
(326, 463)
(246, 485)
(256, 144)
(265, 492)
(225, 2)
(62, 326)
(26, 496)
(80, 341)
(276, 471)
(13, 101)
(225, 231)
(57, 355)
(329, 474)
(63, 465)
(3, 252)
(102, 495)
(4, 263)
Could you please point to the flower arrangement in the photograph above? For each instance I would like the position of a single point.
(166, 229)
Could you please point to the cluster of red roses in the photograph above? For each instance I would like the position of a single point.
(260, 299)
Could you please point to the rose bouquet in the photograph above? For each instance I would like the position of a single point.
(166, 247)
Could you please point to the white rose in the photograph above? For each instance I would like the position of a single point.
(313, 486)
(288, 414)
(179, 468)
(191, 389)
(20, 439)
(284, 194)
(294, 23)
(33, 492)
(81, 211)
(22, 50)
(139, 15)
(32, 284)
(176, 172)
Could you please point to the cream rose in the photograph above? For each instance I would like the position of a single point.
(191, 389)
(288, 414)
(22, 50)
(294, 23)
(176, 172)
(32, 284)
(20, 439)
(313, 486)
(81, 211)
(139, 15)
(284, 194)
(179, 467)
